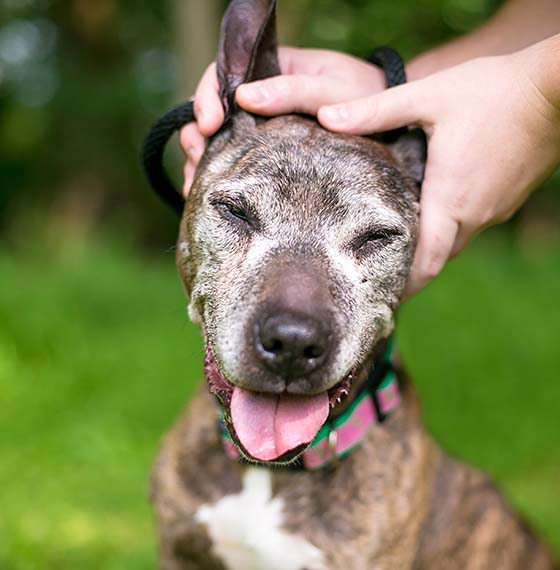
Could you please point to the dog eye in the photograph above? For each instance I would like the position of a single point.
(233, 212)
(237, 212)
(374, 239)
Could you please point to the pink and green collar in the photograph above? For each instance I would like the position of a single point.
(339, 436)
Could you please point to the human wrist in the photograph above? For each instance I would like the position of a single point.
(486, 40)
(421, 66)
(543, 68)
(448, 55)
(505, 33)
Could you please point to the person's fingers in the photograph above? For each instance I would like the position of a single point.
(390, 109)
(188, 177)
(291, 93)
(301, 60)
(207, 104)
(310, 61)
(192, 143)
(436, 240)
(465, 234)
(208, 108)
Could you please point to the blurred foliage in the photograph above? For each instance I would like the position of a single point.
(97, 358)
(357, 26)
(81, 80)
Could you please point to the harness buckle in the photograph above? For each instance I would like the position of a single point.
(332, 442)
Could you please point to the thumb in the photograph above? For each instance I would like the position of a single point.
(437, 235)
(390, 109)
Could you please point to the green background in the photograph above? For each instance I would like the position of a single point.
(97, 356)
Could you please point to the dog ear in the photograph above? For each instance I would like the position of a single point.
(248, 47)
(410, 152)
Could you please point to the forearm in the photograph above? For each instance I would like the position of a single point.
(544, 70)
(518, 24)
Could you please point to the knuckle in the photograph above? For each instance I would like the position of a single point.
(460, 205)
(416, 282)
(196, 153)
(473, 219)
(432, 266)
(370, 108)
(285, 85)
(413, 102)
(197, 109)
(306, 95)
(499, 217)
(487, 217)
(187, 136)
(434, 256)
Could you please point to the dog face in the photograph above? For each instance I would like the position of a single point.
(294, 249)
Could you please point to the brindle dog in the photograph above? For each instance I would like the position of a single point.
(294, 249)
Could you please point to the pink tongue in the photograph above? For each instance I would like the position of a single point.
(270, 425)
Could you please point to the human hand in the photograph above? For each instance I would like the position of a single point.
(310, 78)
(493, 136)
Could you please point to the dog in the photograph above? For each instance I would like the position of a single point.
(306, 450)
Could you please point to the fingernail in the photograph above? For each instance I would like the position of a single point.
(255, 92)
(336, 113)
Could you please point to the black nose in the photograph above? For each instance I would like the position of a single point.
(292, 345)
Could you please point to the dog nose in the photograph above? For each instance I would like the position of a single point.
(292, 345)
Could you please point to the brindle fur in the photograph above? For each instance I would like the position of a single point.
(397, 502)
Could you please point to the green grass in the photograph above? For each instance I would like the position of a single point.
(97, 358)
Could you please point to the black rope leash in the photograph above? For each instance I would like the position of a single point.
(154, 147)
(392, 64)
(163, 129)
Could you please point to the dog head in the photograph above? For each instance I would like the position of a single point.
(294, 249)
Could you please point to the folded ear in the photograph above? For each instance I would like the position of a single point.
(248, 47)
(410, 151)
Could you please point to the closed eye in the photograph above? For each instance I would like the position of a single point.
(235, 212)
(374, 239)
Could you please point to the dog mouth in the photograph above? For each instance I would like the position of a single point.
(270, 427)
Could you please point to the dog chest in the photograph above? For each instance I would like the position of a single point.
(247, 531)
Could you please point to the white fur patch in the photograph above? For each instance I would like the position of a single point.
(247, 534)
(231, 334)
(184, 249)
